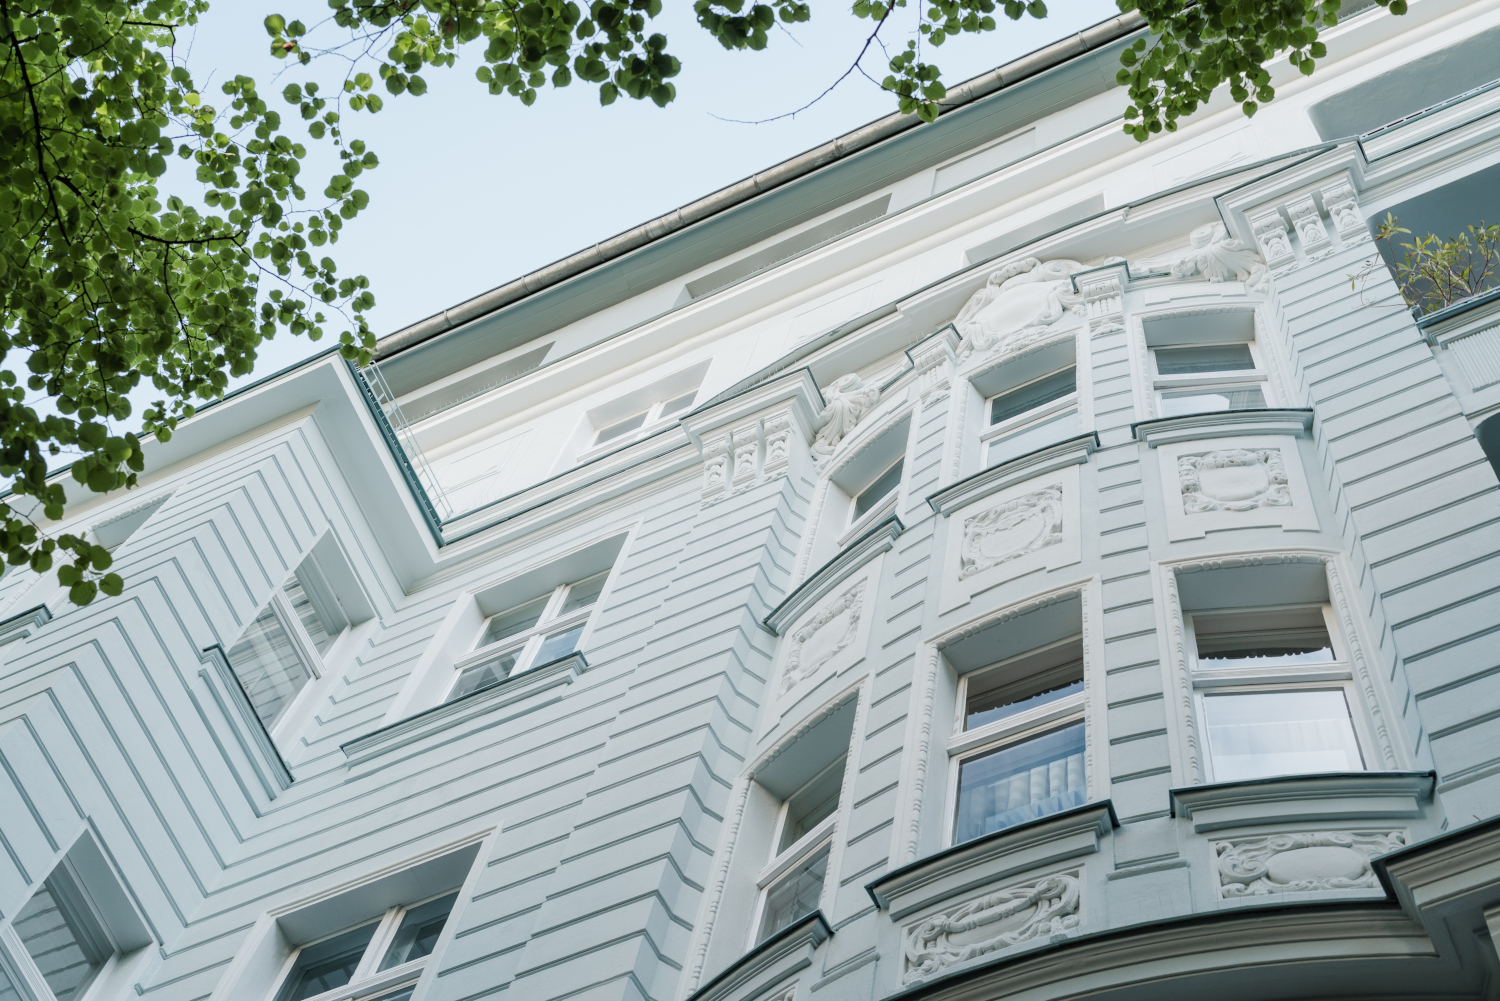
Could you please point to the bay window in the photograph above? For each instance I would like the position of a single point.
(1205, 363)
(792, 883)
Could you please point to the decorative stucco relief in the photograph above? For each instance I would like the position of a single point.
(1290, 863)
(1030, 522)
(1214, 255)
(1044, 907)
(1233, 479)
(822, 638)
(1271, 233)
(1342, 204)
(846, 400)
(1017, 306)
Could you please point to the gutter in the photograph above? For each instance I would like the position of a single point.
(1098, 36)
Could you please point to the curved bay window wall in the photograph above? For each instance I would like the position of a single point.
(1018, 744)
(1272, 679)
(1205, 363)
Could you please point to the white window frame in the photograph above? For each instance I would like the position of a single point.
(1209, 381)
(967, 745)
(803, 848)
(1335, 675)
(1036, 415)
(887, 505)
(654, 417)
(290, 719)
(531, 640)
(30, 975)
(368, 979)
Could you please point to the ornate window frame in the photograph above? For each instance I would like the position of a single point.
(1369, 694)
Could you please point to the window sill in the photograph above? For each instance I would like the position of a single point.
(1235, 677)
(23, 624)
(770, 963)
(376, 983)
(1330, 796)
(1071, 452)
(885, 509)
(517, 688)
(993, 857)
(1222, 424)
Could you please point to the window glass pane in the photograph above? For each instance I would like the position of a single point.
(8, 990)
(1019, 783)
(62, 938)
(1001, 703)
(585, 592)
(268, 667)
(1032, 395)
(1204, 358)
(307, 613)
(1030, 437)
(795, 895)
(812, 804)
(878, 491)
(558, 645)
(328, 964)
(419, 931)
(624, 427)
(1272, 640)
(1203, 401)
(1280, 733)
(516, 620)
(680, 403)
(479, 676)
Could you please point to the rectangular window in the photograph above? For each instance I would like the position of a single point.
(1206, 378)
(62, 936)
(1019, 740)
(344, 964)
(535, 632)
(1033, 415)
(655, 413)
(1273, 692)
(283, 648)
(873, 496)
(793, 881)
(795, 894)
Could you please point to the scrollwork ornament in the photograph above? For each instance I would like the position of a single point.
(848, 607)
(1011, 530)
(1233, 479)
(1300, 863)
(1215, 256)
(846, 400)
(1046, 907)
(1016, 306)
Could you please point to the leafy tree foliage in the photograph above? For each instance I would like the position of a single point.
(109, 281)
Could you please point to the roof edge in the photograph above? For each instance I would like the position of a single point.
(1038, 61)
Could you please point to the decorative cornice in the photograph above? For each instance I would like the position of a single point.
(1332, 796)
(855, 555)
(986, 860)
(22, 624)
(779, 956)
(518, 687)
(1222, 424)
(1072, 452)
(1459, 862)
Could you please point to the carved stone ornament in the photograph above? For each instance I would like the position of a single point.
(1042, 908)
(715, 467)
(1016, 306)
(823, 638)
(1290, 863)
(1343, 209)
(846, 400)
(1011, 530)
(1233, 479)
(1271, 233)
(1214, 256)
(1310, 228)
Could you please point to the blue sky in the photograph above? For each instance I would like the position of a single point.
(474, 190)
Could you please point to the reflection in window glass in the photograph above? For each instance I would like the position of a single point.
(419, 931)
(987, 707)
(559, 644)
(812, 804)
(616, 430)
(885, 484)
(584, 593)
(327, 965)
(478, 677)
(61, 937)
(795, 895)
(268, 667)
(307, 613)
(1033, 394)
(1224, 641)
(1203, 401)
(8, 990)
(1204, 358)
(680, 403)
(1020, 782)
(1254, 735)
(516, 620)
